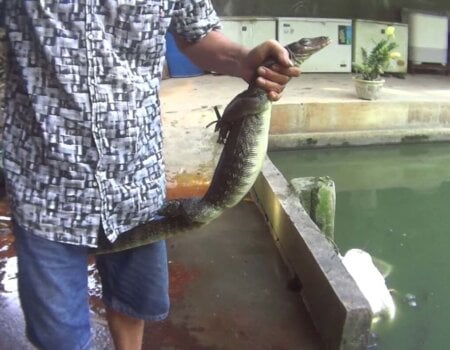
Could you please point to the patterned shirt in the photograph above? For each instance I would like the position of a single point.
(82, 135)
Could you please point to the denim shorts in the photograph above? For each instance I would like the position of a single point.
(53, 288)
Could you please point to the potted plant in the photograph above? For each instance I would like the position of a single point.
(368, 83)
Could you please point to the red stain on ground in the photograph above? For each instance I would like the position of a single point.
(179, 279)
(186, 190)
(6, 238)
(7, 249)
(4, 208)
(167, 335)
(187, 185)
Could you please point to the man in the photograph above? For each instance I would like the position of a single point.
(82, 150)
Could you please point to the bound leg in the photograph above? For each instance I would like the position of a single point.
(127, 332)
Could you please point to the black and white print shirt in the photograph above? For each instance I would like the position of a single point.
(82, 136)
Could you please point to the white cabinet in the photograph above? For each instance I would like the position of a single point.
(249, 31)
(367, 33)
(337, 57)
(428, 37)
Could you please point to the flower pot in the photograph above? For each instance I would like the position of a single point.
(368, 89)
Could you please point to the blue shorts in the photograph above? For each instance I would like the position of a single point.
(53, 288)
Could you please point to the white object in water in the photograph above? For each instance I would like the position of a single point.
(371, 283)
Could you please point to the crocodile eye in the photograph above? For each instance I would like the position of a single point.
(305, 42)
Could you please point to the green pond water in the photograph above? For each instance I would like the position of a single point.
(394, 202)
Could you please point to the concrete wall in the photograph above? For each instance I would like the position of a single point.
(339, 311)
(384, 10)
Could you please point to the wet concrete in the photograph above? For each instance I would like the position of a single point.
(228, 287)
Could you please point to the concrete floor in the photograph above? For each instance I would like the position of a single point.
(180, 94)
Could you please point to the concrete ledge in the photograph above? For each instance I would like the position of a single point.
(340, 312)
(357, 138)
(309, 125)
(358, 115)
(317, 195)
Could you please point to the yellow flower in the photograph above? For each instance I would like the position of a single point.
(394, 55)
(390, 31)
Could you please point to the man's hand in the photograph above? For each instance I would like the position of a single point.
(215, 52)
(275, 78)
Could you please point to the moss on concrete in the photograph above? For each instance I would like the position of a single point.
(318, 197)
(414, 138)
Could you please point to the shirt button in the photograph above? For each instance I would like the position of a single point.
(90, 36)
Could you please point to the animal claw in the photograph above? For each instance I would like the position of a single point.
(214, 122)
(218, 116)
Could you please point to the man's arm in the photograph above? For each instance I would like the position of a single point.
(217, 53)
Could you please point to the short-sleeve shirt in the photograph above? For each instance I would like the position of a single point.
(82, 136)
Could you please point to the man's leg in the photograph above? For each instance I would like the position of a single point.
(127, 332)
(53, 292)
(135, 288)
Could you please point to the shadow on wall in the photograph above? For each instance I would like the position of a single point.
(279, 8)
(383, 10)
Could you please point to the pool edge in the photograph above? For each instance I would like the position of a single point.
(338, 309)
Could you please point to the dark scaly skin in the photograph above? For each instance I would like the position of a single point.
(244, 129)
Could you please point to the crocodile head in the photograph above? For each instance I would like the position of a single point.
(300, 50)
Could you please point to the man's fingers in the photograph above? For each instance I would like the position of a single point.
(275, 78)
(278, 74)
(289, 71)
(273, 96)
(274, 90)
(272, 79)
(276, 50)
(272, 49)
